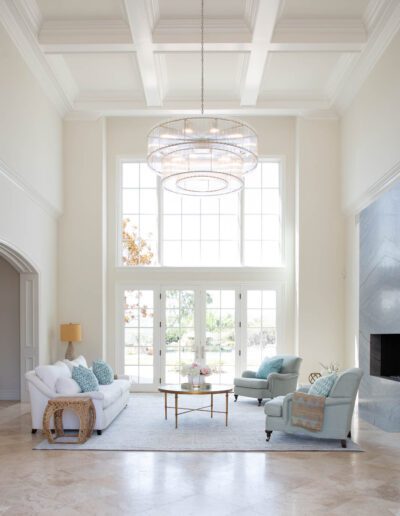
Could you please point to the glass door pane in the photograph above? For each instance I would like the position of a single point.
(139, 336)
(220, 335)
(261, 326)
(180, 338)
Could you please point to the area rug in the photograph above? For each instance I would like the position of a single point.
(142, 427)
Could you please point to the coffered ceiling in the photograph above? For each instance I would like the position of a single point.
(127, 57)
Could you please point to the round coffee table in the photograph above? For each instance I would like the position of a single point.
(201, 391)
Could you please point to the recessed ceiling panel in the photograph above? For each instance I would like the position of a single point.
(81, 9)
(324, 8)
(181, 75)
(105, 72)
(298, 72)
(192, 8)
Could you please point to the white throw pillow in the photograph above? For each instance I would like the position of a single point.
(81, 360)
(49, 374)
(67, 386)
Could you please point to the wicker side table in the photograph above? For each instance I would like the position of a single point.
(84, 409)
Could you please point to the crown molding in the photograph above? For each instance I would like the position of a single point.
(33, 14)
(24, 39)
(94, 31)
(385, 28)
(375, 190)
(17, 180)
(341, 70)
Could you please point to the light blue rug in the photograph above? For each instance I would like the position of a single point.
(142, 427)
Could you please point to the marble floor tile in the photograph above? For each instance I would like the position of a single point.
(162, 484)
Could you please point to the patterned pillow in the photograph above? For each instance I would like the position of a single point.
(268, 366)
(103, 372)
(323, 386)
(85, 378)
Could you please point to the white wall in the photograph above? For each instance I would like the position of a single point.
(81, 237)
(320, 245)
(9, 334)
(370, 136)
(30, 180)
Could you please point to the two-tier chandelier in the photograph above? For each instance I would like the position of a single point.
(202, 155)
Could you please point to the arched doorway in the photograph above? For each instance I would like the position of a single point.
(28, 311)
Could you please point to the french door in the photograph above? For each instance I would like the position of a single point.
(228, 328)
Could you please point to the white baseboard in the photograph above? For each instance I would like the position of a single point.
(10, 394)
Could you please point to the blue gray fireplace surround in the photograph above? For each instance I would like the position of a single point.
(379, 398)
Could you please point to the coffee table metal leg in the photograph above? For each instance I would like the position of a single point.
(226, 409)
(212, 404)
(165, 405)
(176, 411)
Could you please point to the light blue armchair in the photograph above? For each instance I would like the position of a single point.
(277, 384)
(339, 407)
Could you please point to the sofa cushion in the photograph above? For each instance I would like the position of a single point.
(103, 372)
(49, 374)
(323, 386)
(268, 366)
(251, 383)
(274, 407)
(67, 386)
(81, 360)
(112, 391)
(85, 378)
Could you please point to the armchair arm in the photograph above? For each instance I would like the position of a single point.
(249, 374)
(330, 404)
(281, 384)
(304, 388)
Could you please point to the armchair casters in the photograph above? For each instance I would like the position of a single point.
(269, 433)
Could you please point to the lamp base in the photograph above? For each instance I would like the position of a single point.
(70, 353)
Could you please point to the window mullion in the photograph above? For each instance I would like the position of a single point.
(160, 222)
(241, 226)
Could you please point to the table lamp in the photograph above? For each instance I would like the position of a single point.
(70, 333)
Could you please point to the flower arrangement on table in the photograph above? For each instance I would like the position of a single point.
(197, 371)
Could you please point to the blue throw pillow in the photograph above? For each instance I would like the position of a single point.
(268, 366)
(103, 372)
(323, 386)
(85, 378)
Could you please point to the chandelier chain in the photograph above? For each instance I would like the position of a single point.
(202, 57)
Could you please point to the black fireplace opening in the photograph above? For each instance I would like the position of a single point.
(385, 356)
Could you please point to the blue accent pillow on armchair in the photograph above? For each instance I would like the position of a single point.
(323, 386)
(85, 378)
(268, 366)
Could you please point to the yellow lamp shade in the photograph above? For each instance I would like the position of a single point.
(70, 332)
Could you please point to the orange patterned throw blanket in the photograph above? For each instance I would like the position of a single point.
(308, 411)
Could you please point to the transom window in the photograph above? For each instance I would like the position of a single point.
(159, 228)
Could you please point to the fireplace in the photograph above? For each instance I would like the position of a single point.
(385, 356)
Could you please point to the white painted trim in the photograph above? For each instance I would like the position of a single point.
(375, 190)
(9, 394)
(18, 26)
(76, 32)
(386, 25)
(17, 180)
(29, 311)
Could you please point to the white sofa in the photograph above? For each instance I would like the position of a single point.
(108, 401)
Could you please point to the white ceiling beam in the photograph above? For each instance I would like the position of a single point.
(262, 34)
(141, 31)
(304, 35)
